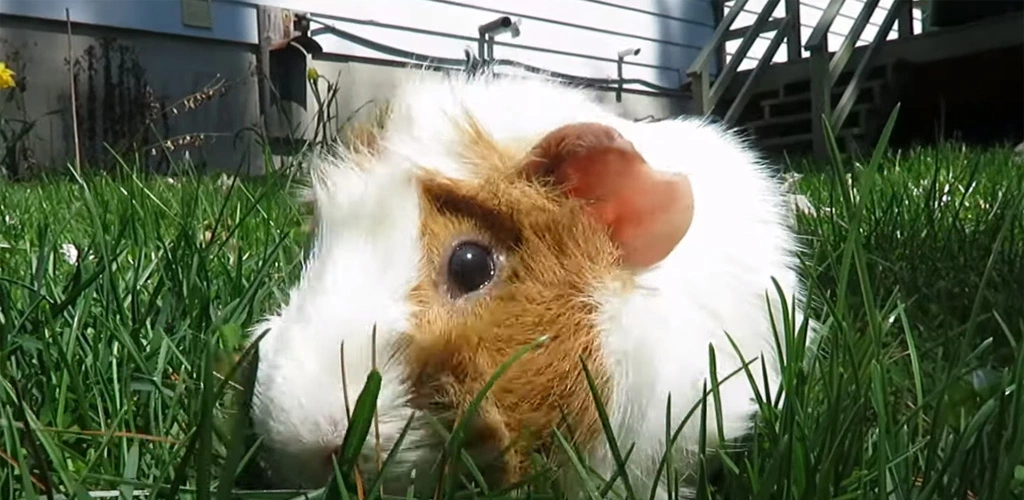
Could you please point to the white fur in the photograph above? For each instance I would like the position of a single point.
(655, 338)
(717, 281)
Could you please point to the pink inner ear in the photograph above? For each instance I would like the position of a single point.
(646, 212)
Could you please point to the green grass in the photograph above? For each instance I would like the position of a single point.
(114, 369)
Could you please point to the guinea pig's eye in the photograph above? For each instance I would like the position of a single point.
(471, 267)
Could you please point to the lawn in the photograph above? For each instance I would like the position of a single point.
(125, 298)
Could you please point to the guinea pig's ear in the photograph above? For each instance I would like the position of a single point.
(647, 212)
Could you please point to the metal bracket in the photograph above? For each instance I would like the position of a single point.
(487, 32)
(283, 27)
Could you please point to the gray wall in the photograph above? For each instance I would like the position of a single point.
(174, 67)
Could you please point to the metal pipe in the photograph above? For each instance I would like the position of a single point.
(623, 54)
(628, 52)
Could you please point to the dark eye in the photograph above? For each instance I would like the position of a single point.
(470, 268)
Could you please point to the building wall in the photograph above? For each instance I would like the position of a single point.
(575, 37)
(113, 103)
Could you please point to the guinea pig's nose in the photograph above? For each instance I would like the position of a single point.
(318, 467)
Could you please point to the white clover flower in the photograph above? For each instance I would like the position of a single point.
(790, 180)
(70, 253)
(225, 181)
(800, 203)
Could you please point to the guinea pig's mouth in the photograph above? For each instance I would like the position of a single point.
(422, 460)
(417, 464)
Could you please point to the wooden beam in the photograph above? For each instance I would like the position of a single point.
(794, 48)
(819, 35)
(737, 33)
(845, 50)
(905, 21)
(700, 63)
(947, 43)
(821, 101)
(726, 75)
(845, 103)
(264, 33)
(701, 87)
(748, 87)
(718, 11)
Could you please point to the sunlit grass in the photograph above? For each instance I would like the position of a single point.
(123, 302)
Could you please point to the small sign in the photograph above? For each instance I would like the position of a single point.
(196, 13)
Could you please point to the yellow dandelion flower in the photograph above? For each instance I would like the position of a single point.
(312, 74)
(6, 76)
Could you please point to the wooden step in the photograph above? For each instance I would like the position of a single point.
(806, 96)
(870, 92)
(800, 117)
(790, 140)
(877, 72)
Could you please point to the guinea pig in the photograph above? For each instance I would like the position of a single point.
(482, 212)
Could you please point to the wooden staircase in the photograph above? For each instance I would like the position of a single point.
(786, 117)
(781, 120)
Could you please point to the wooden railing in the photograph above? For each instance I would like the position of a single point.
(708, 93)
(826, 67)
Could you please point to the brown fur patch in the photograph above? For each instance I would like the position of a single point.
(483, 153)
(551, 257)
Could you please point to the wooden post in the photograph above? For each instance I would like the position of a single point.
(821, 99)
(905, 21)
(718, 10)
(263, 41)
(701, 88)
(793, 45)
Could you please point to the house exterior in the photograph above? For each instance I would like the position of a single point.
(134, 57)
(181, 45)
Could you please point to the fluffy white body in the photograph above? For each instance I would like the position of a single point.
(654, 337)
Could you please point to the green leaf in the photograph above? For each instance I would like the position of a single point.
(131, 470)
(358, 429)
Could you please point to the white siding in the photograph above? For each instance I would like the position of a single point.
(810, 13)
(577, 37)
